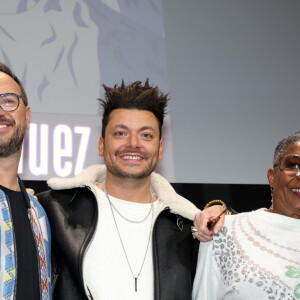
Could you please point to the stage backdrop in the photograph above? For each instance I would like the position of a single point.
(232, 69)
(63, 51)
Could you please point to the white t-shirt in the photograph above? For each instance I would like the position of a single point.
(106, 271)
(256, 256)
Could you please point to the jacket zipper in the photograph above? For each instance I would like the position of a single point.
(15, 246)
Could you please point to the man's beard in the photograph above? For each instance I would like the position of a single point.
(114, 169)
(14, 144)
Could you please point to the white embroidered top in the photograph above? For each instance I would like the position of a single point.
(255, 256)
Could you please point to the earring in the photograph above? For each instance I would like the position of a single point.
(271, 207)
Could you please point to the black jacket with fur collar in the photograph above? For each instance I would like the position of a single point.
(72, 210)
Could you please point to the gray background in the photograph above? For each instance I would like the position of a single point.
(232, 69)
(63, 51)
(233, 72)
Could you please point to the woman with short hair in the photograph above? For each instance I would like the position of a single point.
(257, 254)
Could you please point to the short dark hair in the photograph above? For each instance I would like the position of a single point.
(134, 96)
(5, 69)
(283, 145)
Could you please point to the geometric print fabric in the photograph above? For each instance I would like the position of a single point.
(7, 261)
(7, 252)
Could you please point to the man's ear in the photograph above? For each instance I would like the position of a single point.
(27, 116)
(271, 174)
(160, 150)
(101, 146)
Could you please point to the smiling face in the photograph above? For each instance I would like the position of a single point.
(132, 147)
(286, 187)
(13, 124)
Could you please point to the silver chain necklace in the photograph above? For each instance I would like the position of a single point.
(122, 216)
(123, 247)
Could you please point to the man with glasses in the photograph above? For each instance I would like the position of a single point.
(24, 228)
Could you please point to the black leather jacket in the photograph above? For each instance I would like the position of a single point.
(73, 218)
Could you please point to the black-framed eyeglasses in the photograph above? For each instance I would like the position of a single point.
(9, 101)
(290, 164)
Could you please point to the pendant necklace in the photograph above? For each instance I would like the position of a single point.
(135, 277)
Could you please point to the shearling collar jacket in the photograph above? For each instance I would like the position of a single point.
(72, 209)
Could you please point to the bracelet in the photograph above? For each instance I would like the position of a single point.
(210, 203)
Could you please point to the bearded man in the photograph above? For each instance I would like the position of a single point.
(120, 231)
(24, 227)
